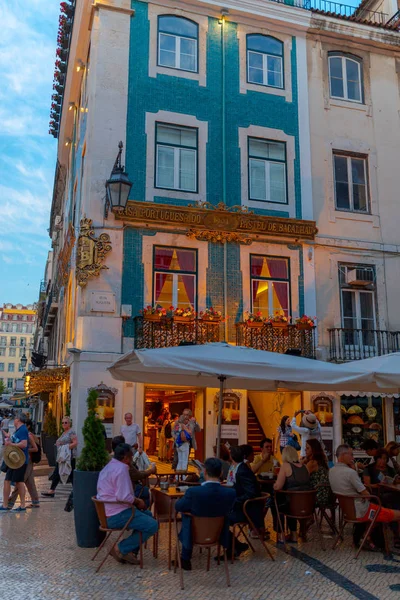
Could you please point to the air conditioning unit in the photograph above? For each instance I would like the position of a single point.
(360, 276)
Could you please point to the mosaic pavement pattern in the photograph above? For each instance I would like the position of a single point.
(40, 561)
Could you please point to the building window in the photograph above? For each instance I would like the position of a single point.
(14, 328)
(3, 340)
(21, 351)
(12, 351)
(265, 61)
(267, 170)
(22, 341)
(1, 366)
(10, 383)
(2, 351)
(24, 328)
(350, 175)
(175, 277)
(13, 341)
(176, 157)
(177, 43)
(270, 285)
(11, 367)
(21, 369)
(358, 309)
(345, 77)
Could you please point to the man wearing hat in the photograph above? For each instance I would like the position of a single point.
(310, 428)
(16, 459)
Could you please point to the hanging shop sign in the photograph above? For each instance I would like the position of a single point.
(220, 223)
(91, 252)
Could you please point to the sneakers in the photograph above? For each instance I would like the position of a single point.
(19, 509)
(2, 509)
(124, 558)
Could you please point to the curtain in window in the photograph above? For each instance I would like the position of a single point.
(162, 260)
(278, 270)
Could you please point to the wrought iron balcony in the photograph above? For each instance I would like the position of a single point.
(164, 333)
(276, 339)
(356, 344)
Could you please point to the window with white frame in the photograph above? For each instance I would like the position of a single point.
(267, 170)
(345, 77)
(270, 285)
(3, 340)
(177, 43)
(175, 277)
(10, 383)
(265, 61)
(358, 308)
(12, 351)
(176, 157)
(350, 177)
(11, 367)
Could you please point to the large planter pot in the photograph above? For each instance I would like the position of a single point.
(50, 450)
(86, 520)
(152, 318)
(183, 319)
(254, 323)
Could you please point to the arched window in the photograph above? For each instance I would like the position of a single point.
(265, 60)
(177, 43)
(345, 77)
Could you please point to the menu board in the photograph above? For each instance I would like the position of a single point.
(362, 419)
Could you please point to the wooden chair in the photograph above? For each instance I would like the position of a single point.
(239, 528)
(164, 512)
(101, 513)
(206, 532)
(348, 515)
(299, 505)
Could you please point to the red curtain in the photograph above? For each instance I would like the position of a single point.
(163, 258)
(186, 260)
(160, 280)
(281, 290)
(188, 282)
(277, 268)
(256, 265)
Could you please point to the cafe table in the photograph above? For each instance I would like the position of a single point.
(166, 475)
(164, 512)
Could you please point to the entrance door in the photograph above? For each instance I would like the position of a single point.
(359, 323)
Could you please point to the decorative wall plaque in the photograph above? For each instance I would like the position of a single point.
(91, 252)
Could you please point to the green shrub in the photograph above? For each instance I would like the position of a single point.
(94, 455)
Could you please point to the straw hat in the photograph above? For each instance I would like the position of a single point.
(310, 421)
(14, 457)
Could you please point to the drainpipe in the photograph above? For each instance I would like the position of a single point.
(223, 135)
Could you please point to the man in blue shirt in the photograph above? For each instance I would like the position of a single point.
(19, 438)
(209, 499)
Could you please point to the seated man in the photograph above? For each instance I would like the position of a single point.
(344, 480)
(139, 478)
(209, 499)
(246, 487)
(115, 485)
(264, 462)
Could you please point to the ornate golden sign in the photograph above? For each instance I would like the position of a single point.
(65, 257)
(91, 252)
(206, 221)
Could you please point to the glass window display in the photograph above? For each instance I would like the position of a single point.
(362, 419)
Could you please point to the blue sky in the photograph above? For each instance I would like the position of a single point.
(27, 151)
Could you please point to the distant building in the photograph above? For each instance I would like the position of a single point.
(17, 328)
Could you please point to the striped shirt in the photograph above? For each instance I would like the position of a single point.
(284, 437)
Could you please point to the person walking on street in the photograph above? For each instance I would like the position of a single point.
(29, 473)
(20, 439)
(131, 431)
(70, 439)
(194, 428)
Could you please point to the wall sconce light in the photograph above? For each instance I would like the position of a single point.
(224, 14)
(71, 105)
(68, 141)
(80, 66)
(118, 186)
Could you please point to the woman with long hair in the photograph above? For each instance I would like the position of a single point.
(317, 465)
(284, 432)
(393, 449)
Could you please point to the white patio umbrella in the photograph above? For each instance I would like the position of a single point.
(203, 365)
(379, 374)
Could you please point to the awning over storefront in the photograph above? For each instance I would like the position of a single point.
(45, 380)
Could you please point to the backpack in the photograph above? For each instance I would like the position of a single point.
(168, 431)
(36, 457)
(293, 441)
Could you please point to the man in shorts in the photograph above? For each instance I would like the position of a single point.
(19, 438)
(345, 481)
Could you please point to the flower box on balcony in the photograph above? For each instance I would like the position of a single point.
(155, 317)
(208, 318)
(180, 319)
(279, 324)
(254, 323)
(303, 326)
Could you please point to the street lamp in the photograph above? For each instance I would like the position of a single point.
(23, 360)
(118, 186)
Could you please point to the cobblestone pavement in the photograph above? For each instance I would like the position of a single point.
(41, 561)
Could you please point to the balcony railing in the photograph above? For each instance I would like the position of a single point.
(356, 344)
(275, 339)
(164, 333)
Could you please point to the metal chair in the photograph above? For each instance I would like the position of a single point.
(332, 505)
(101, 513)
(206, 532)
(164, 512)
(241, 526)
(299, 505)
(348, 515)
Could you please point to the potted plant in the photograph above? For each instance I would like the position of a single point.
(51, 435)
(279, 320)
(254, 319)
(210, 314)
(181, 315)
(93, 458)
(305, 322)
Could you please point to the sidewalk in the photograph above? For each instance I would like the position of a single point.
(40, 561)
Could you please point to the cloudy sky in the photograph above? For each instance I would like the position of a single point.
(27, 151)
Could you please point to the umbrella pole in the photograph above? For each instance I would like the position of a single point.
(221, 396)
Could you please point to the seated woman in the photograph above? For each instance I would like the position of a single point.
(317, 466)
(293, 476)
(374, 474)
(393, 449)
